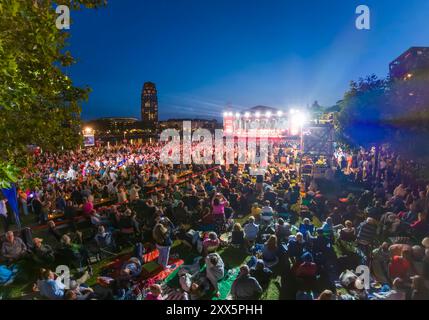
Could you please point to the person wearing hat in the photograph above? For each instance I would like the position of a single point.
(43, 253)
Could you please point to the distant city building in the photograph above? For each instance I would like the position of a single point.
(409, 62)
(113, 126)
(210, 124)
(149, 106)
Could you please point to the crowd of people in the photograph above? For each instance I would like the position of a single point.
(284, 225)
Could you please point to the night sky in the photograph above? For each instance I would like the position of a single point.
(206, 54)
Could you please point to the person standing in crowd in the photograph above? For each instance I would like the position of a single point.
(162, 236)
(3, 213)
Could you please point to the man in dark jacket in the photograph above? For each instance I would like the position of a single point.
(245, 287)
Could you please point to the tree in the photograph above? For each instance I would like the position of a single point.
(360, 121)
(392, 111)
(39, 104)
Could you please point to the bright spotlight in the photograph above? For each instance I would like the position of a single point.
(225, 114)
(279, 113)
(268, 114)
(237, 115)
(88, 130)
(257, 114)
(298, 119)
(230, 114)
(247, 114)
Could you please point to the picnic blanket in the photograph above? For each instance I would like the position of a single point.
(158, 274)
(7, 275)
(226, 283)
(114, 267)
(173, 294)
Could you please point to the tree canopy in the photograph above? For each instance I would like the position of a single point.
(394, 111)
(39, 104)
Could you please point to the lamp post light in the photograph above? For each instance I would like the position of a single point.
(88, 130)
(298, 120)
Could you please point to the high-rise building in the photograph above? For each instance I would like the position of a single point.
(149, 106)
(412, 60)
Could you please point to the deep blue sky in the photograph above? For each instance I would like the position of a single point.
(205, 54)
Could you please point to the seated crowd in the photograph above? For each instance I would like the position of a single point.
(281, 226)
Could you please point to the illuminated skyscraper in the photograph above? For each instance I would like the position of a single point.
(149, 107)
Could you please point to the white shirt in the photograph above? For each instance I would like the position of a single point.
(3, 208)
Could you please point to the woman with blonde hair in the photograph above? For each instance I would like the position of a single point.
(237, 237)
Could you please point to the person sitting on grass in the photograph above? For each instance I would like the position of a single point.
(307, 270)
(13, 248)
(53, 231)
(400, 266)
(237, 237)
(50, 286)
(270, 252)
(251, 230)
(306, 228)
(215, 270)
(261, 273)
(295, 246)
(43, 253)
(348, 233)
(131, 269)
(104, 239)
(155, 293)
(81, 292)
(267, 213)
(245, 287)
(73, 254)
(256, 211)
(282, 230)
(209, 244)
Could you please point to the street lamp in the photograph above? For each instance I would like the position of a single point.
(298, 120)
